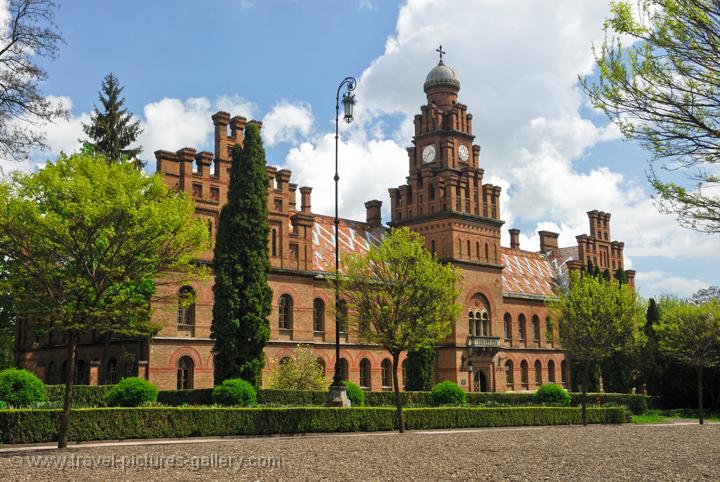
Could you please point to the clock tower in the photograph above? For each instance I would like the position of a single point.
(444, 198)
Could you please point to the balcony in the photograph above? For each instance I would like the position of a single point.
(484, 342)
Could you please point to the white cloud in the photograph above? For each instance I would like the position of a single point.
(658, 283)
(286, 122)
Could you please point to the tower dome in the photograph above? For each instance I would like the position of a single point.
(441, 76)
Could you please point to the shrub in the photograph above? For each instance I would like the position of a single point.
(354, 394)
(234, 392)
(553, 395)
(82, 396)
(132, 392)
(448, 393)
(33, 425)
(302, 372)
(3, 405)
(20, 388)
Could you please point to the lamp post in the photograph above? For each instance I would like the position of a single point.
(337, 396)
(470, 370)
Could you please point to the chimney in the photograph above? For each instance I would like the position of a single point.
(255, 123)
(221, 120)
(548, 241)
(374, 218)
(237, 126)
(514, 238)
(305, 199)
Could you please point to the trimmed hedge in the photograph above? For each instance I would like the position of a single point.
(41, 425)
(93, 396)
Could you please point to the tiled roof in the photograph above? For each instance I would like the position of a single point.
(527, 273)
(355, 237)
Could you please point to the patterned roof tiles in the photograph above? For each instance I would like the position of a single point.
(354, 237)
(527, 273)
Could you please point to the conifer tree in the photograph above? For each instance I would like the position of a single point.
(242, 295)
(420, 362)
(111, 131)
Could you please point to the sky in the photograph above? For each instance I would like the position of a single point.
(280, 61)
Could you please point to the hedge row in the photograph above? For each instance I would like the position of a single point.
(93, 396)
(38, 425)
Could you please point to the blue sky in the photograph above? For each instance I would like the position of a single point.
(281, 61)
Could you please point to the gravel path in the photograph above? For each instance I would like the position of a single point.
(667, 452)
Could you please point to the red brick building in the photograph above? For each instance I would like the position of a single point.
(505, 330)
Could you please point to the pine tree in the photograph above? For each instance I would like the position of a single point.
(620, 275)
(240, 325)
(110, 132)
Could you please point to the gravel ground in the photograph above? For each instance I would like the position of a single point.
(677, 452)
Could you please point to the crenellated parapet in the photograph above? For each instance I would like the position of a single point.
(204, 176)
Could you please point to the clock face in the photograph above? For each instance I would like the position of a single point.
(463, 153)
(428, 154)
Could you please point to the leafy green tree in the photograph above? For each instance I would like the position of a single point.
(419, 371)
(400, 297)
(659, 80)
(707, 294)
(85, 242)
(301, 372)
(690, 334)
(650, 355)
(596, 318)
(113, 130)
(8, 320)
(243, 296)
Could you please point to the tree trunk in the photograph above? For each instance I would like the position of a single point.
(583, 399)
(396, 388)
(67, 401)
(700, 395)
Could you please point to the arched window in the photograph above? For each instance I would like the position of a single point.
(538, 373)
(471, 324)
(522, 327)
(186, 307)
(564, 373)
(318, 315)
(50, 373)
(185, 373)
(210, 229)
(485, 323)
(507, 326)
(509, 374)
(551, 371)
(549, 330)
(477, 249)
(536, 328)
(111, 372)
(468, 248)
(273, 243)
(63, 372)
(386, 373)
(432, 246)
(364, 373)
(321, 364)
(342, 315)
(487, 253)
(81, 373)
(404, 373)
(524, 375)
(285, 312)
(344, 368)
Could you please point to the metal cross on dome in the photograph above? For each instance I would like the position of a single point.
(440, 51)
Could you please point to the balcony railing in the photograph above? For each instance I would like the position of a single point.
(484, 341)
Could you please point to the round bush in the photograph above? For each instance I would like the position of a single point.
(3, 405)
(448, 393)
(20, 388)
(552, 395)
(132, 392)
(354, 394)
(234, 391)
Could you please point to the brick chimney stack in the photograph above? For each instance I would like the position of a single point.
(514, 238)
(221, 120)
(373, 216)
(237, 127)
(548, 241)
(305, 199)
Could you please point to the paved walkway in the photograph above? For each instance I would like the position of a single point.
(678, 451)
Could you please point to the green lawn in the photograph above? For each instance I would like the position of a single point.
(661, 416)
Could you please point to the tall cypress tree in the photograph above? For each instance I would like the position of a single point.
(243, 296)
(420, 363)
(113, 130)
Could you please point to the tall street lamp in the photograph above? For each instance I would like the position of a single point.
(337, 397)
